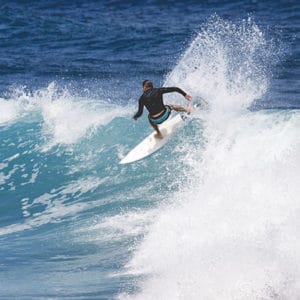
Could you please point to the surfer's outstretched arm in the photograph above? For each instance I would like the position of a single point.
(177, 108)
(165, 90)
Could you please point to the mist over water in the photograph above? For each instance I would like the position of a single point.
(66, 118)
(212, 215)
(230, 231)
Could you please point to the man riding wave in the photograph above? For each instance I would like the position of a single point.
(152, 99)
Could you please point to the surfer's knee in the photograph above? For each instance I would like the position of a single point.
(177, 108)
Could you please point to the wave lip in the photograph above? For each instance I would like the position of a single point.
(229, 64)
(66, 118)
(229, 234)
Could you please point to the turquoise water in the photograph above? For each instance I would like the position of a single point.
(212, 215)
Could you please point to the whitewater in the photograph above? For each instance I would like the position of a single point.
(213, 215)
(230, 232)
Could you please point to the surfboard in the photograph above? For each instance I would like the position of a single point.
(151, 144)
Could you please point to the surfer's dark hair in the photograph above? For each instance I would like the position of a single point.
(147, 84)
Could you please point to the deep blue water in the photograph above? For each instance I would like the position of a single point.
(213, 215)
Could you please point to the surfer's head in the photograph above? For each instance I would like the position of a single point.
(147, 84)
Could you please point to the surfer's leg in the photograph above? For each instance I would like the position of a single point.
(179, 108)
(158, 135)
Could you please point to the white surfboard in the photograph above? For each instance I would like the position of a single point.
(151, 144)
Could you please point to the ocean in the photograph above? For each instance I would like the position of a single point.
(213, 215)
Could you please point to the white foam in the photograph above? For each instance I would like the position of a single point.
(8, 111)
(66, 118)
(223, 65)
(19, 104)
(6, 177)
(67, 121)
(118, 227)
(55, 205)
(231, 234)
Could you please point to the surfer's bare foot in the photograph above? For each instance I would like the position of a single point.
(189, 109)
(158, 136)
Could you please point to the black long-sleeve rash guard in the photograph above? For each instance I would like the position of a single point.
(153, 100)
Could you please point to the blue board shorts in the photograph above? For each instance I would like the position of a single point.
(163, 117)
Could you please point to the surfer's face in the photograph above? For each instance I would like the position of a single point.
(147, 84)
(145, 88)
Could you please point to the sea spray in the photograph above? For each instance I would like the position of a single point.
(228, 64)
(66, 117)
(231, 233)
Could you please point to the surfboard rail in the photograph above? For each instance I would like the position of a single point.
(151, 144)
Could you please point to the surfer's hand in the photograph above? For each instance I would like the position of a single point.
(134, 118)
(188, 97)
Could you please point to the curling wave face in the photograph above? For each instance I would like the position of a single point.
(229, 232)
(212, 215)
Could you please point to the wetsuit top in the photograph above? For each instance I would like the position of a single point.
(153, 100)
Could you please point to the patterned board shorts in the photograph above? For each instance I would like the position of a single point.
(163, 117)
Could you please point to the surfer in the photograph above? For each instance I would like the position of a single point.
(152, 99)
